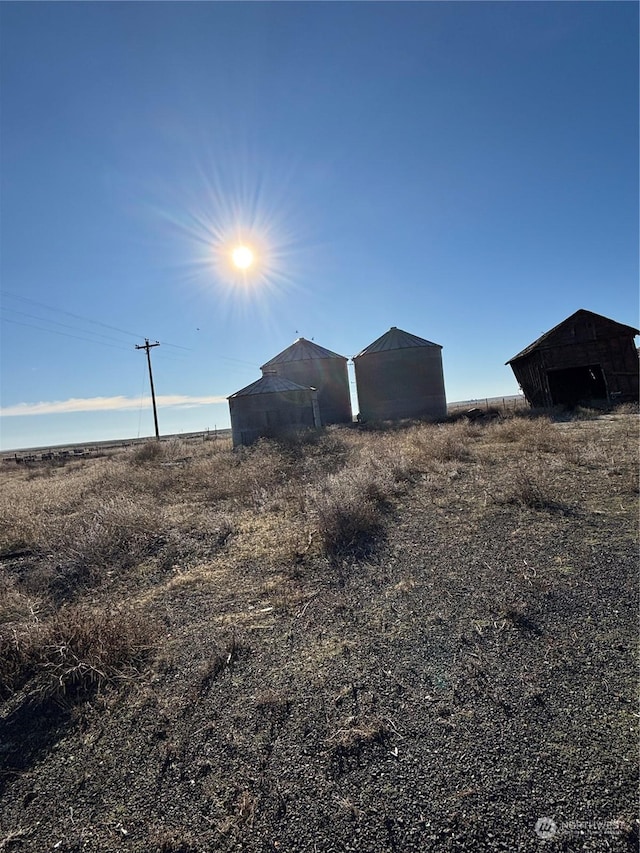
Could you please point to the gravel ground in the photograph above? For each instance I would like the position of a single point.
(469, 686)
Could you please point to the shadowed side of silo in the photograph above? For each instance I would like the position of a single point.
(308, 364)
(271, 407)
(400, 376)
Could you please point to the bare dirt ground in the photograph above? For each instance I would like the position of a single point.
(418, 639)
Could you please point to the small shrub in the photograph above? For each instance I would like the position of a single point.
(348, 513)
(150, 451)
(115, 535)
(627, 409)
(15, 606)
(77, 652)
(18, 530)
(425, 446)
(271, 702)
(451, 443)
(190, 541)
(533, 488)
(584, 413)
(13, 658)
(517, 616)
(538, 435)
(526, 431)
(43, 471)
(244, 476)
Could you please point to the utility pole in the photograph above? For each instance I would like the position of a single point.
(147, 346)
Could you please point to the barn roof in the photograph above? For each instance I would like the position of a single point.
(546, 339)
(270, 383)
(396, 339)
(301, 350)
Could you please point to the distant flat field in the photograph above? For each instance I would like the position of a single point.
(508, 403)
(93, 446)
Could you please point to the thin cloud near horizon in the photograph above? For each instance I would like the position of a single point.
(103, 404)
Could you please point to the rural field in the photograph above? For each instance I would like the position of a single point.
(411, 639)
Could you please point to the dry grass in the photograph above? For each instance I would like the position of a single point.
(75, 652)
(532, 486)
(15, 606)
(170, 841)
(334, 602)
(153, 518)
(348, 511)
(354, 735)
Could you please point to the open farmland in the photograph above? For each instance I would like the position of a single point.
(412, 639)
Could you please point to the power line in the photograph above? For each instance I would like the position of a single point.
(79, 317)
(95, 322)
(58, 323)
(64, 334)
(176, 346)
(69, 313)
(123, 348)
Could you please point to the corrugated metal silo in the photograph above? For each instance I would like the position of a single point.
(308, 364)
(270, 407)
(400, 376)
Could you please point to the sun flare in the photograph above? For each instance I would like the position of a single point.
(240, 231)
(242, 257)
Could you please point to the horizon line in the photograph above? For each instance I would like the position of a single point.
(104, 404)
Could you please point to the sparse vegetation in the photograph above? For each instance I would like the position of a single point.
(347, 512)
(285, 646)
(532, 486)
(150, 451)
(74, 653)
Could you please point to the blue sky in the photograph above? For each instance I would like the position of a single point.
(465, 171)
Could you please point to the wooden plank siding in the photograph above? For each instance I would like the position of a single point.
(584, 340)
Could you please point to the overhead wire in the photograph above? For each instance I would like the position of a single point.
(122, 345)
(58, 323)
(82, 317)
(176, 346)
(69, 313)
(64, 334)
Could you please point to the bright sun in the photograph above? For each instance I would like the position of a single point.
(242, 257)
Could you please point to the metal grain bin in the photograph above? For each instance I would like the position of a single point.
(271, 407)
(308, 364)
(400, 376)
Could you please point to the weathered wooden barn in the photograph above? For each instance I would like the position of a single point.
(587, 358)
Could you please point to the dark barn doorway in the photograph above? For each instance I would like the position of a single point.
(576, 384)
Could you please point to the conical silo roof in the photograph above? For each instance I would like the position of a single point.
(396, 339)
(301, 350)
(270, 383)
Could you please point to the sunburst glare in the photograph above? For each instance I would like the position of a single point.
(236, 231)
(243, 257)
